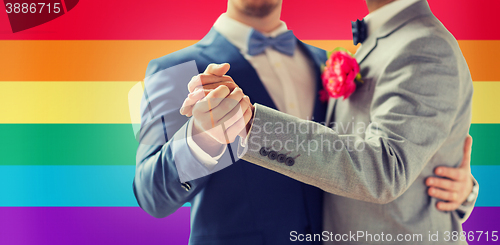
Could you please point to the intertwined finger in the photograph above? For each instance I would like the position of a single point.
(444, 184)
(226, 107)
(217, 69)
(457, 174)
(450, 196)
(191, 100)
(206, 79)
(447, 206)
(212, 100)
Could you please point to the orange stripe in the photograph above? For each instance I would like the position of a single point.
(81, 60)
(482, 58)
(127, 60)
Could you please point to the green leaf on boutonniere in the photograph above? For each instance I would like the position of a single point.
(359, 78)
(340, 49)
(329, 54)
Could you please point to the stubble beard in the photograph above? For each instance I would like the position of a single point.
(260, 11)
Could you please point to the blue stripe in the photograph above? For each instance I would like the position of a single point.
(67, 186)
(111, 186)
(489, 183)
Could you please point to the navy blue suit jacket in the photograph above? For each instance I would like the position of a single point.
(240, 204)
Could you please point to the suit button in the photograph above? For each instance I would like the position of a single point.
(263, 151)
(290, 161)
(272, 155)
(281, 158)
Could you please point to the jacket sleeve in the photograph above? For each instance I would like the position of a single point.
(464, 211)
(414, 108)
(160, 185)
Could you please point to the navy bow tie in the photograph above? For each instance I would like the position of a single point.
(359, 31)
(284, 43)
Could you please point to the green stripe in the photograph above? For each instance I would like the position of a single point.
(485, 147)
(114, 144)
(67, 144)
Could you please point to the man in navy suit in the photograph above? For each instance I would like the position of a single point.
(241, 203)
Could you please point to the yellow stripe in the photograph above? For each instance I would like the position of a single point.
(67, 102)
(118, 102)
(485, 102)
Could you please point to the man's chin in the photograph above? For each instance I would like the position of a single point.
(262, 10)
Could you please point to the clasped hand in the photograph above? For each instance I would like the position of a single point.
(220, 109)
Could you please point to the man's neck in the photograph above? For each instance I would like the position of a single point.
(262, 24)
(376, 4)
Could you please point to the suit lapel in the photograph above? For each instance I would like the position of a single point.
(318, 56)
(218, 50)
(366, 48)
(418, 9)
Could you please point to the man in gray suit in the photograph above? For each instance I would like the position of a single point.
(411, 115)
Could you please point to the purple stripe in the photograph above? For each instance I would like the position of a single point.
(131, 225)
(90, 225)
(485, 219)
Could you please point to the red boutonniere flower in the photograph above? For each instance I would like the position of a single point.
(340, 75)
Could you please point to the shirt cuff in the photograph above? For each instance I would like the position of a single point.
(244, 141)
(200, 155)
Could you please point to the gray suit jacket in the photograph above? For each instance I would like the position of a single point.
(412, 114)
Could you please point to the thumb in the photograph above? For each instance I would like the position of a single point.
(217, 69)
(467, 152)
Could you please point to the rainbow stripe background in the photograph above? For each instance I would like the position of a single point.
(67, 151)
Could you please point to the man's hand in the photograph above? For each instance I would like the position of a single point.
(455, 184)
(218, 106)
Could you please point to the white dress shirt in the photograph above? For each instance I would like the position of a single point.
(289, 80)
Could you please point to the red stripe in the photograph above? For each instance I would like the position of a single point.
(178, 20)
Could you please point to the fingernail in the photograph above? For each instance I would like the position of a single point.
(430, 181)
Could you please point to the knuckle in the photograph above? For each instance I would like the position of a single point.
(453, 196)
(225, 89)
(430, 181)
(239, 93)
(229, 78)
(203, 78)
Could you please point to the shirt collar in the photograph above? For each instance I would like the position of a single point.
(237, 33)
(378, 18)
